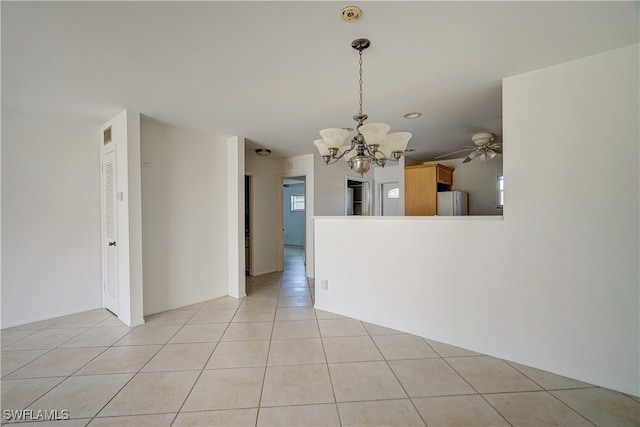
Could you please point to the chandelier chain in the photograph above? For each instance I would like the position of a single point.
(360, 81)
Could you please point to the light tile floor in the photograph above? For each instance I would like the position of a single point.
(272, 359)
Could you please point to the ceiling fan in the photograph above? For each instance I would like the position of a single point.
(484, 148)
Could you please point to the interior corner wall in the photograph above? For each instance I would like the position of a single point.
(51, 261)
(134, 184)
(236, 272)
(557, 289)
(571, 136)
(184, 216)
(263, 172)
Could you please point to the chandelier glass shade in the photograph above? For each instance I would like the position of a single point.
(372, 143)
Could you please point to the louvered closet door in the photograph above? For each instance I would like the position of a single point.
(110, 232)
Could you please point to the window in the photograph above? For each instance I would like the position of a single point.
(297, 202)
(394, 193)
(500, 189)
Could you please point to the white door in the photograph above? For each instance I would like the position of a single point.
(390, 197)
(109, 233)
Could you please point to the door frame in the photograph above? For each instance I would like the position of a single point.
(103, 231)
(379, 196)
(370, 196)
(251, 223)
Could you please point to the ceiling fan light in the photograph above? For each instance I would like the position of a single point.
(334, 137)
(491, 153)
(482, 138)
(472, 155)
(482, 156)
(374, 133)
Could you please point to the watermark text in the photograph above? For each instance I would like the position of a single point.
(35, 414)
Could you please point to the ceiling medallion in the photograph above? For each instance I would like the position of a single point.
(351, 13)
(372, 144)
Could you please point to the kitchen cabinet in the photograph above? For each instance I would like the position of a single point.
(421, 186)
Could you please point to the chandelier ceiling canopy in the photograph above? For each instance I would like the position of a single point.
(372, 143)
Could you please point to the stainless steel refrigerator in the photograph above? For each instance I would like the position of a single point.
(453, 203)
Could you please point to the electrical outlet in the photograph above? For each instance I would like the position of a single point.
(324, 284)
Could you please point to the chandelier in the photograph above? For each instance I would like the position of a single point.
(371, 144)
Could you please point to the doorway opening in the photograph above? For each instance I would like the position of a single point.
(247, 225)
(357, 196)
(294, 220)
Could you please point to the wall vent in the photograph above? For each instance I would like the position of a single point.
(106, 136)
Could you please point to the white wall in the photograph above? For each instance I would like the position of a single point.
(480, 182)
(329, 187)
(50, 217)
(263, 171)
(388, 174)
(184, 212)
(554, 289)
(236, 272)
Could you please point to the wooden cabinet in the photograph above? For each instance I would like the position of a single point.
(444, 175)
(421, 185)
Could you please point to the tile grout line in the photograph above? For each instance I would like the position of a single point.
(135, 374)
(476, 390)
(130, 379)
(55, 348)
(395, 376)
(204, 366)
(549, 392)
(326, 360)
(266, 362)
(316, 318)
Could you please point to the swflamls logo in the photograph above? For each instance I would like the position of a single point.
(35, 415)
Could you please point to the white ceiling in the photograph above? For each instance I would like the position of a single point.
(277, 72)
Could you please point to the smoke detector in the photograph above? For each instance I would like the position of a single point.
(351, 13)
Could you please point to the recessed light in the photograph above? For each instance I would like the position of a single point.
(413, 115)
(264, 152)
